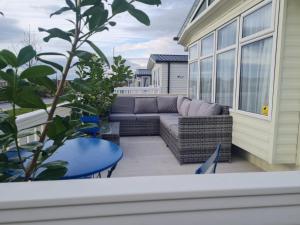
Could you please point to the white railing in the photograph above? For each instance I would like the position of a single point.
(235, 199)
(35, 120)
(136, 90)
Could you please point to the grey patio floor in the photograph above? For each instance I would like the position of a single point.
(149, 156)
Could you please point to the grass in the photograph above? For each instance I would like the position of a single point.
(21, 111)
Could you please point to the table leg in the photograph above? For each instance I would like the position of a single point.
(111, 171)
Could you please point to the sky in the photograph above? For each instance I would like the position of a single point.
(129, 38)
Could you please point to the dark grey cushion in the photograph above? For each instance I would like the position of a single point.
(180, 100)
(184, 108)
(167, 104)
(207, 109)
(194, 107)
(168, 121)
(123, 104)
(145, 105)
(146, 117)
(116, 117)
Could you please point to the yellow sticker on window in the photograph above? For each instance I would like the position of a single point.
(265, 110)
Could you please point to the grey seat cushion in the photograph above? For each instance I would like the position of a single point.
(194, 107)
(169, 121)
(167, 104)
(123, 104)
(207, 109)
(145, 105)
(184, 108)
(116, 117)
(146, 117)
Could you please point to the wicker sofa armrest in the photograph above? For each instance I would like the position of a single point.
(201, 127)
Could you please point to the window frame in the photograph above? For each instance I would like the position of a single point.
(201, 58)
(251, 39)
(189, 75)
(236, 61)
(263, 32)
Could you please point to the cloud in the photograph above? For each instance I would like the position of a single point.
(129, 37)
(163, 45)
(10, 30)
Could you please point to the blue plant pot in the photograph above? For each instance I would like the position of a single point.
(91, 119)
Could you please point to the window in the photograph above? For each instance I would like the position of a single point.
(193, 52)
(225, 78)
(207, 46)
(193, 81)
(255, 76)
(227, 36)
(201, 9)
(206, 69)
(225, 68)
(257, 21)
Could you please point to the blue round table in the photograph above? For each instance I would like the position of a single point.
(87, 156)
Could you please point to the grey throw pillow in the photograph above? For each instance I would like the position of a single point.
(194, 107)
(145, 105)
(180, 100)
(207, 109)
(123, 104)
(184, 108)
(167, 104)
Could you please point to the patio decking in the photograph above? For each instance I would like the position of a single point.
(149, 156)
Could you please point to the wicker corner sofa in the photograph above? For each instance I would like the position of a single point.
(190, 128)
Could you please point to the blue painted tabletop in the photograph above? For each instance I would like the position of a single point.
(87, 156)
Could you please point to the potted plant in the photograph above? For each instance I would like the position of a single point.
(92, 93)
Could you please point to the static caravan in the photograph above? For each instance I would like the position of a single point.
(169, 73)
(143, 78)
(246, 54)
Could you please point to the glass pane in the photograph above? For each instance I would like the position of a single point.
(193, 52)
(194, 73)
(227, 36)
(210, 2)
(207, 46)
(255, 77)
(257, 21)
(200, 10)
(225, 78)
(206, 67)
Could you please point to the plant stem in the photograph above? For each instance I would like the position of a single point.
(58, 92)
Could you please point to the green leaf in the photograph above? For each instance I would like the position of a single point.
(9, 78)
(50, 53)
(25, 55)
(70, 4)
(9, 58)
(91, 2)
(98, 51)
(60, 11)
(52, 173)
(56, 33)
(55, 65)
(28, 98)
(84, 55)
(98, 20)
(3, 64)
(150, 2)
(37, 71)
(119, 6)
(56, 128)
(44, 81)
(32, 146)
(139, 15)
(54, 164)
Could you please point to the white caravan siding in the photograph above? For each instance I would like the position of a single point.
(178, 82)
(287, 139)
(178, 77)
